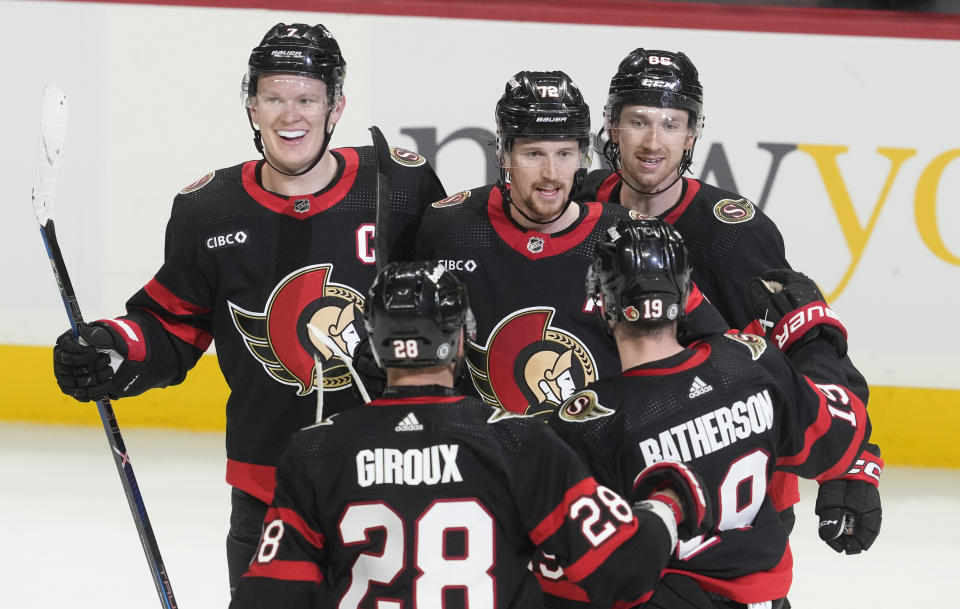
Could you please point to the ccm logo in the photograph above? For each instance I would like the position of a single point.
(237, 238)
(802, 319)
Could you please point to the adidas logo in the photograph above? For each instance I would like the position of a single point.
(409, 423)
(698, 387)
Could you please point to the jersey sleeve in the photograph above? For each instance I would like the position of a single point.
(824, 425)
(600, 547)
(758, 248)
(286, 569)
(171, 316)
(701, 318)
(414, 189)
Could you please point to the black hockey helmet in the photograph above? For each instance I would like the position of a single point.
(661, 79)
(541, 104)
(414, 313)
(299, 49)
(641, 271)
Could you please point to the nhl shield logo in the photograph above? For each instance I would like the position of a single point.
(301, 206)
(535, 245)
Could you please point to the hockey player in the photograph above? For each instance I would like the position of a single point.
(423, 498)
(522, 246)
(253, 253)
(653, 118)
(732, 407)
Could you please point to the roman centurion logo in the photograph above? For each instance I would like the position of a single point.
(730, 211)
(406, 158)
(279, 338)
(526, 362)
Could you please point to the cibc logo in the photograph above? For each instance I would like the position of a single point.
(218, 241)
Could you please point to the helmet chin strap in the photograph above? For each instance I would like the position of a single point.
(258, 142)
(505, 192)
(644, 192)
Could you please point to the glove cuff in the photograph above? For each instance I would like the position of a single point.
(665, 513)
(131, 334)
(794, 325)
(867, 468)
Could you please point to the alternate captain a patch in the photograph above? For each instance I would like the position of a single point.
(406, 158)
(734, 211)
(198, 184)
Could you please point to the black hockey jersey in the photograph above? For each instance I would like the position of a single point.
(734, 409)
(420, 500)
(252, 269)
(539, 338)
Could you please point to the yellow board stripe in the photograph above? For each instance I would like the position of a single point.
(912, 426)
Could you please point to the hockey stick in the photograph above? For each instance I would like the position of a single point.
(53, 125)
(384, 195)
(346, 359)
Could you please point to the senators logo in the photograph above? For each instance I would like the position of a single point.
(583, 407)
(753, 342)
(527, 362)
(407, 158)
(730, 211)
(279, 339)
(197, 185)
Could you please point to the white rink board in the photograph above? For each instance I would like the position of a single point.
(155, 103)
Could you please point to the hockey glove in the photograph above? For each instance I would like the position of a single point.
(371, 375)
(696, 515)
(791, 310)
(95, 366)
(849, 508)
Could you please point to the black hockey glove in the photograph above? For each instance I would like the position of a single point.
(370, 374)
(791, 310)
(93, 367)
(849, 508)
(697, 516)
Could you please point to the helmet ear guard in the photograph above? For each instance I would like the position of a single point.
(640, 273)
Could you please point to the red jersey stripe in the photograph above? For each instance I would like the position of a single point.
(287, 570)
(171, 302)
(257, 480)
(200, 339)
(554, 520)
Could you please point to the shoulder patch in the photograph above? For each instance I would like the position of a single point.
(454, 199)
(583, 407)
(734, 211)
(754, 343)
(197, 185)
(406, 157)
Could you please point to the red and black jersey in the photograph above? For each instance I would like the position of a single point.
(730, 240)
(251, 269)
(428, 499)
(539, 338)
(734, 409)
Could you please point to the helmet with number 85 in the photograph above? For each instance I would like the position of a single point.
(659, 79)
